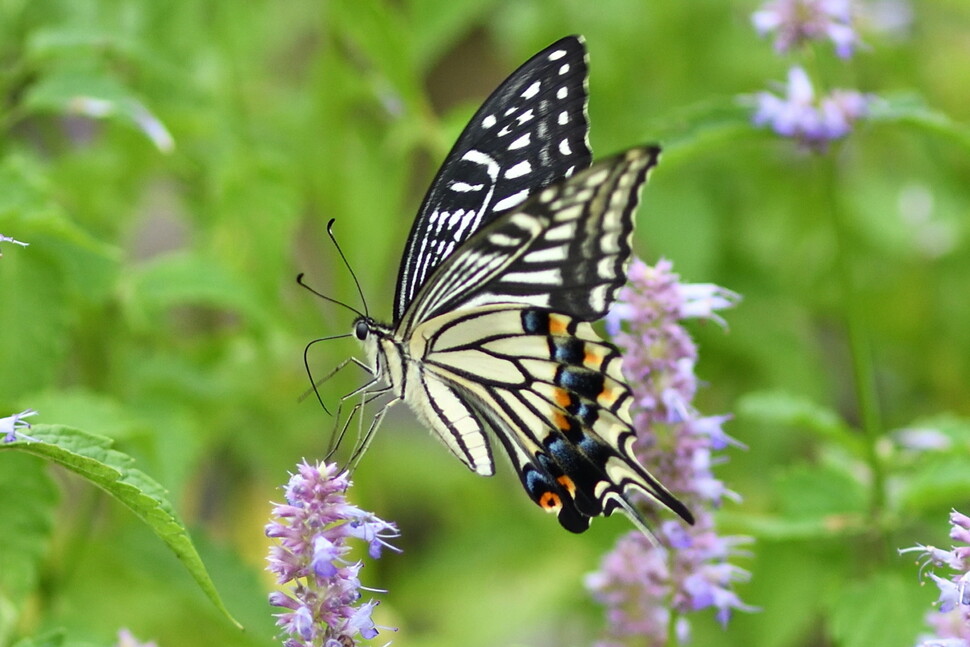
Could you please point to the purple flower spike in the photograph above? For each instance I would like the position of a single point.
(800, 116)
(11, 427)
(127, 639)
(638, 581)
(797, 22)
(312, 529)
(951, 622)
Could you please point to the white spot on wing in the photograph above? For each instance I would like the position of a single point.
(478, 157)
(610, 242)
(564, 68)
(465, 187)
(489, 121)
(597, 297)
(521, 142)
(503, 240)
(531, 91)
(606, 268)
(520, 169)
(512, 200)
(562, 232)
(525, 116)
(563, 118)
(567, 214)
(562, 92)
(545, 277)
(547, 255)
(556, 55)
(564, 147)
(597, 178)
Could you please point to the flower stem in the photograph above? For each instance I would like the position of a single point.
(858, 338)
(673, 640)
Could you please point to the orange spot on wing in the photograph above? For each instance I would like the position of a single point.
(562, 398)
(567, 483)
(558, 324)
(592, 360)
(561, 421)
(608, 396)
(550, 501)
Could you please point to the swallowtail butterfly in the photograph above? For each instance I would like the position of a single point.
(520, 243)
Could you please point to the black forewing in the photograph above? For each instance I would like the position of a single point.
(565, 249)
(530, 132)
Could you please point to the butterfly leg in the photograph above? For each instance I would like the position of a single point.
(365, 440)
(368, 395)
(315, 384)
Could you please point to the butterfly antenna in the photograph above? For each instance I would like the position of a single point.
(333, 239)
(299, 279)
(315, 383)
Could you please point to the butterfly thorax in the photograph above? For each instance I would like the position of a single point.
(386, 353)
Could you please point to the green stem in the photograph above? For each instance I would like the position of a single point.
(859, 346)
(672, 639)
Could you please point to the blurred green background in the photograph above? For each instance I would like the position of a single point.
(156, 303)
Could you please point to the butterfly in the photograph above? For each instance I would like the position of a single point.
(521, 242)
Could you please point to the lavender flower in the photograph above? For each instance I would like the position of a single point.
(951, 623)
(127, 639)
(135, 110)
(800, 115)
(312, 528)
(8, 239)
(796, 22)
(641, 584)
(12, 426)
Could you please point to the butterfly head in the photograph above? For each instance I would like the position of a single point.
(377, 339)
(362, 327)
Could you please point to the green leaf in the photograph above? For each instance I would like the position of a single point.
(382, 34)
(887, 610)
(788, 587)
(814, 502)
(440, 24)
(53, 638)
(27, 509)
(180, 279)
(812, 491)
(86, 409)
(92, 457)
(33, 318)
(95, 94)
(782, 528)
(30, 212)
(911, 110)
(936, 481)
(786, 409)
(702, 128)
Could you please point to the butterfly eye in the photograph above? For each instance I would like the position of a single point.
(361, 330)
